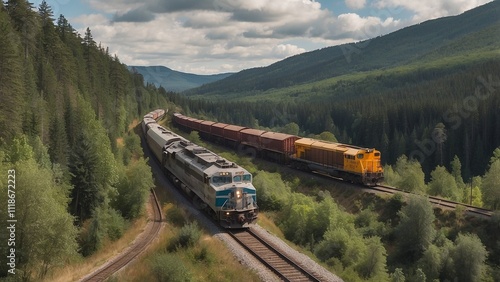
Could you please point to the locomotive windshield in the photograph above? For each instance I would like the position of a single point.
(243, 178)
(221, 179)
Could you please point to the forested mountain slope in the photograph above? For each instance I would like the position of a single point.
(390, 93)
(173, 80)
(423, 42)
(65, 102)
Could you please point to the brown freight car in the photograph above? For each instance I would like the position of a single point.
(232, 132)
(217, 129)
(206, 125)
(278, 142)
(251, 137)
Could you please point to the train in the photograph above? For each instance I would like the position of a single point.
(216, 185)
(350, 163)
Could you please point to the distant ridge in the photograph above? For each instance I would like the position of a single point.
(175, 81)
(475, 30)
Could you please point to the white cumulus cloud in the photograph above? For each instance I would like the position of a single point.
(355, 4)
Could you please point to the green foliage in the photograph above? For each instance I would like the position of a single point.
(116, 225)
(456, 171)
(398, 275)
(105, 223)
(11, 83)
(167, 267)
(132, 147)
(188, 236)
(373, 264)
(133, 188)
(299, 213)
(443, 184)
(415, 231)
(19, 150)
(496, 156)
(407, 175)
(469, 256)
(176, 216)
(490, 184)
(291, 128)
(45, 232)
(271, 190)
(431, 262)
(368, 224)
(92, 165)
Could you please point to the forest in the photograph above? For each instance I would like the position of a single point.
(77, 177)
(430, 114)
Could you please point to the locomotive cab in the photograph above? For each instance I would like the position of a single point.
(236, 197)
(365, 163)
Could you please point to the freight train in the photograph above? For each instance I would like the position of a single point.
(222, 188)
(351, 163)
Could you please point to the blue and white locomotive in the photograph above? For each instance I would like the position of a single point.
(221, 187)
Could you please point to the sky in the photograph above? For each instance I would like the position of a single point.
(218, 36)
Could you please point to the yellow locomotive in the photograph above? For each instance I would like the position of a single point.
(351, 163)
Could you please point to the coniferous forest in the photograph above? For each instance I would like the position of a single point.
(65, 108)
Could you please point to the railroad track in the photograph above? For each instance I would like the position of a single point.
(437, 201)
(276, 261)
(140, 245)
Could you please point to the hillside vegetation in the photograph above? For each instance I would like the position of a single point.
(64, 103)
(392, 92)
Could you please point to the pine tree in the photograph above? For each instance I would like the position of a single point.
(24, 21)
(86, 194)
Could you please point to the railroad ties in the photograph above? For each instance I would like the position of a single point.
(280, 264)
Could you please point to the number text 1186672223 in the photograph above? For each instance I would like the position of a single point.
(11, 220)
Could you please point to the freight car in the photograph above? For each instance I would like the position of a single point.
(351, 163)
(220, 187)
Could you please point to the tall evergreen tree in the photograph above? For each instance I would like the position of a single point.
(24, 21)
(86, 194)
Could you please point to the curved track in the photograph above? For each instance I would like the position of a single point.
(139, 245)
(281, 265)
(437, 201)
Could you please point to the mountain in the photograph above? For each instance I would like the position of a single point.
(175, 81)
(474, 30)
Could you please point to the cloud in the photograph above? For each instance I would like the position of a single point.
(136, 15)
(355, 4)
(430, 9)
(213, 36)
(286, 50)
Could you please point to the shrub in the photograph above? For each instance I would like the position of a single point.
(168, 267)
(176, 216)
(187, 237)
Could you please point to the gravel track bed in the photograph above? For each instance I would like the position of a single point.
(306, 262)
